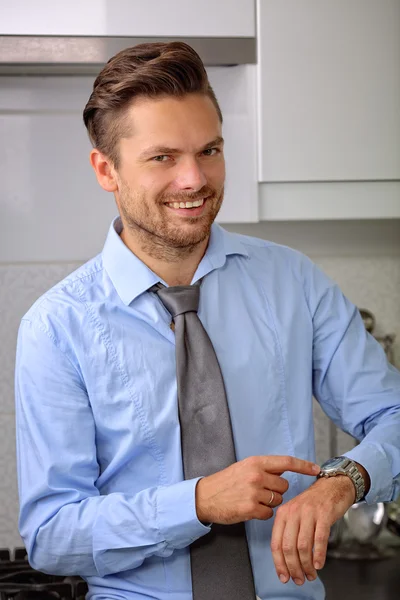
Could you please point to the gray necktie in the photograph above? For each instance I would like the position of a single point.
(220, 562)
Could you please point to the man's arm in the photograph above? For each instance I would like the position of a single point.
(67, 526)
(356, 386)
(360, 392)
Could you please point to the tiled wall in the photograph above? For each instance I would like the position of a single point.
(372, 283)
(20, 286)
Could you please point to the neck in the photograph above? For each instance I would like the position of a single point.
(175, 266)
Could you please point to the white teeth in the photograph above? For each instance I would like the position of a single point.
(186, 204)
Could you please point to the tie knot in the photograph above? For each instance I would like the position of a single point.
(178, 299)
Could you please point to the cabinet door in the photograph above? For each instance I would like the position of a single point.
(329, 79)
(235, 88)
(203, 18)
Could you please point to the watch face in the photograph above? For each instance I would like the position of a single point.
(332, 463)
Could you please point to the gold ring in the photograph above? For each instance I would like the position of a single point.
(272, 498)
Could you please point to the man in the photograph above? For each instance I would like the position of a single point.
(119, 393)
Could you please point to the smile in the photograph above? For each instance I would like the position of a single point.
(194, 204)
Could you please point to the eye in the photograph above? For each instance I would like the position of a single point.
(210, 150)
(160, 156)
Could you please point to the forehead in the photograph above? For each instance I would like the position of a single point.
(192, 118)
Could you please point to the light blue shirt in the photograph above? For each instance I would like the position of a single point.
(99, 458)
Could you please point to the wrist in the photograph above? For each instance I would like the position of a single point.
(344, 466)
(340, 484)
(201, 509)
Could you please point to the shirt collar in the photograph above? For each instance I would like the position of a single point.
(131, 277)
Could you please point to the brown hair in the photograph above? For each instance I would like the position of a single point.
(149, 70)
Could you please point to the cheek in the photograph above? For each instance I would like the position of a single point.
(216, 174)
(155, 185)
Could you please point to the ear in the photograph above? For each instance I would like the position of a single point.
(105, 172)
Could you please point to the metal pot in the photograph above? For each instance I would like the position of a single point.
(365, 521)
(393, 520)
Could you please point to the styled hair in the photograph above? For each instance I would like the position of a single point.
(151, 70)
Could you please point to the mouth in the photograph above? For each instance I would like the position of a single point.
(192, 208)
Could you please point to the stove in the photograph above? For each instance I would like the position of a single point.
(18, 581)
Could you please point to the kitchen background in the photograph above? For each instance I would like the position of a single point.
(310, 93)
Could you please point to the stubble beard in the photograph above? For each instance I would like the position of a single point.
(155, 231)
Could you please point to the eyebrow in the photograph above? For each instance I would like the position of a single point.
(159, 150)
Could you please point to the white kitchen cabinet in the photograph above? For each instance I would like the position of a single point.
(328, 99)
(51, 206)
(329, 200)
(203, 18)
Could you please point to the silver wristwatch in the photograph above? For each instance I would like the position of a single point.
(341, 465)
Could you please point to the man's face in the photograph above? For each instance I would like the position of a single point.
(175, 155)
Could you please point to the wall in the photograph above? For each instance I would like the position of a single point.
(362, 256)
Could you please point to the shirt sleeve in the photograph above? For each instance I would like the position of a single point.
(67, 526)
(356, 385)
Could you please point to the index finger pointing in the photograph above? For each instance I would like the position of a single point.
(280, 464)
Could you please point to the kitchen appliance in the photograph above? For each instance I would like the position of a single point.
(366, 521)
(18, 581)
(393, 522)
(356, 535)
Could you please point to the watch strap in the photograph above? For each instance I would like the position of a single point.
(349, 468)
(354, 473)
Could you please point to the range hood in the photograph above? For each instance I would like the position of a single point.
(80, 55)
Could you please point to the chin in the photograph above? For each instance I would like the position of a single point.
(187, 236)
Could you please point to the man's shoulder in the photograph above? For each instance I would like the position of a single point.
(266, 250)
(68, 294)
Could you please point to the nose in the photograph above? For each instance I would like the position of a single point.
(190, 175)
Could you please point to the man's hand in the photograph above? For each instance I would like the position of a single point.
(243, 491)
(304, 523)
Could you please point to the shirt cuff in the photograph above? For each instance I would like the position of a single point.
(176, 512)
(375, 461)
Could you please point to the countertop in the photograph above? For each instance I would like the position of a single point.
(346, 579)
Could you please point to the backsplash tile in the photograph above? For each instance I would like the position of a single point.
(9, 536)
